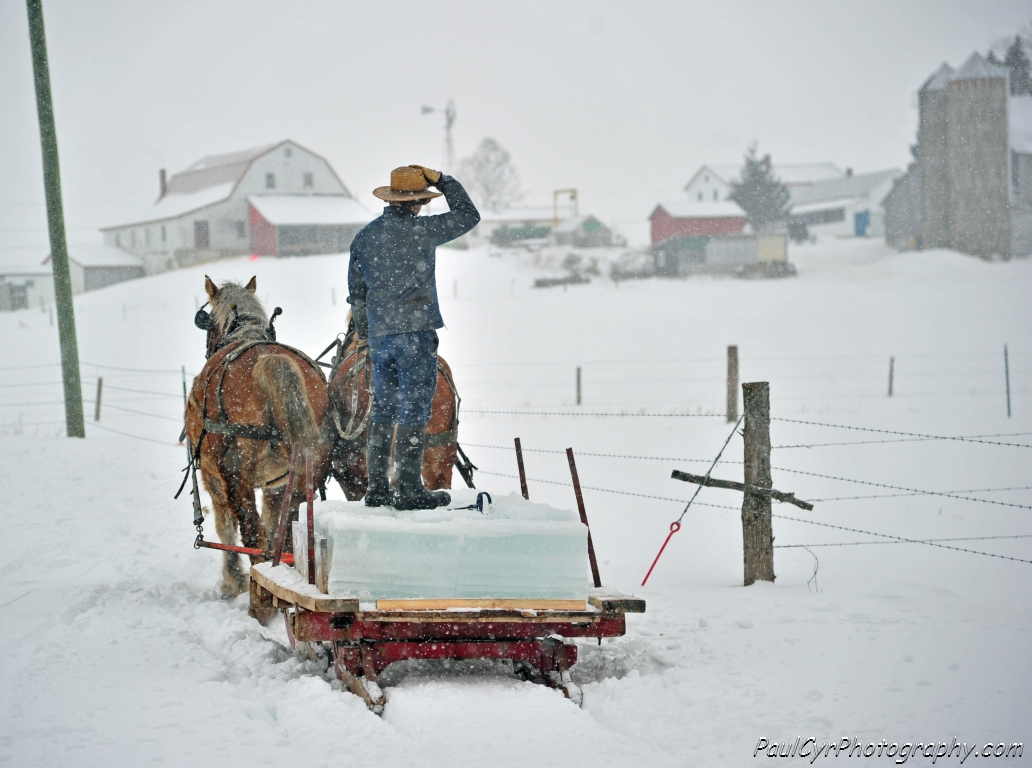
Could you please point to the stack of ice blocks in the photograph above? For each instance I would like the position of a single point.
(515, 549)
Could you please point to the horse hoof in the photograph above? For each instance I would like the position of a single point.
(228, 590)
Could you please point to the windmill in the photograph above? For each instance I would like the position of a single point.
(449, 121)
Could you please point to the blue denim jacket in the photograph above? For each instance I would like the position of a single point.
(391, 275)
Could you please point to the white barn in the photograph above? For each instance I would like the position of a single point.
(203, 213)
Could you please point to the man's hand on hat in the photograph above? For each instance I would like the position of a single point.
(431, 175)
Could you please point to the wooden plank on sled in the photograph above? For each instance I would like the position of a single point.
(610, 601)
(286, 585)
(485, 603)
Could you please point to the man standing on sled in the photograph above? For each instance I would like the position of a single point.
(394, 304)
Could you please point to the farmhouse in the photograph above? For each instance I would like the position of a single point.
(205, 211)
(712, 183)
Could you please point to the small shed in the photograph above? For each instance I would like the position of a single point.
(25, 281)
(98, 266)
(583, 232)
(303, 225)
(696, 219)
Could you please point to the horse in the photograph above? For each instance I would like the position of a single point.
(251, 404)
(351, 404)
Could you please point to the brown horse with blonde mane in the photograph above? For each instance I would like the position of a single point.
(253, 402)
(351, 403)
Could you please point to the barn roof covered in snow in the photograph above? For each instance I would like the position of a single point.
(848, 187)
(323, 210)
(713, 209)
(99, 256)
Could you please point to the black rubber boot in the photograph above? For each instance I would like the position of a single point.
(378, 461)
(410, 492)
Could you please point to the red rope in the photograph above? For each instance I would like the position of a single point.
(285, 558)
(674, 528)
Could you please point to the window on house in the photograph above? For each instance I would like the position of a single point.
(162, 233)
(132, 238)
(146, 235)
(118, 239)
(241, 228)
(308, 180)
(706, 178)
(715, 195)
(700, 197)
(270, 181)
(201, 238)
(287, 152)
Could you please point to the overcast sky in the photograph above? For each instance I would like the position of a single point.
(621, 100)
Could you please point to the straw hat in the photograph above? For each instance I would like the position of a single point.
(407, 184)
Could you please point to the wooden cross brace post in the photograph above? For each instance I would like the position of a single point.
(711, 482)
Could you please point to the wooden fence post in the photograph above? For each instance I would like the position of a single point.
(1006, 376)
(96, 405)
(519, 466)
(732, 384)
(892, 367)
(757, 534)
(578, 386)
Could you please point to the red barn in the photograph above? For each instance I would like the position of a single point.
(696, 219)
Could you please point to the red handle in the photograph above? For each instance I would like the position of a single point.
(674, 528)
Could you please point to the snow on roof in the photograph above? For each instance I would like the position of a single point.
(1019, 123)
(712, 209)
(91, 256)
(977, 68)
(828, 204)
(938, 80)
(216, 170)
(789, 173)
(573, 223)
(19, 262)
(174, 205)
(285, 210)
(857, 185)
(527, 213)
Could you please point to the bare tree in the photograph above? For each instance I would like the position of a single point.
(490, 177)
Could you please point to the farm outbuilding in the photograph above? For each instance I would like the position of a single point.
(98, 266)
(693, 219)
(25, 281)
(301, 225)
(583, 232)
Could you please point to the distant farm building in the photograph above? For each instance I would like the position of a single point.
(98, 266)
(695, 219)
(204, 213)
(847, 206)
(712, 183)
(970, 187)
(24, 280)
(583, 232)
(296, 225)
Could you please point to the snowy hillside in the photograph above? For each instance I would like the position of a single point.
(117, 650)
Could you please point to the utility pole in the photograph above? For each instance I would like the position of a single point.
(757, 533)
(74, 423)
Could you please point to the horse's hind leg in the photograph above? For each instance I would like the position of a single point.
(234, 580)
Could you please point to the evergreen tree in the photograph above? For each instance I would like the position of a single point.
(759, 192)
(1017, 62)
(992, 59)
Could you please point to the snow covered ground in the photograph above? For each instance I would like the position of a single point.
(117, 651)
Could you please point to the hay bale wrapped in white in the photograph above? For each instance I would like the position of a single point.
(513, 549)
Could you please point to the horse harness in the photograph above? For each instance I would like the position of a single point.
(357, 425)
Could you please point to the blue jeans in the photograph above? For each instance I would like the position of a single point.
(404, 377)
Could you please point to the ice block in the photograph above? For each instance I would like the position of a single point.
(514, 549)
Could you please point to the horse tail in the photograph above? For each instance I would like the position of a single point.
(280, 377)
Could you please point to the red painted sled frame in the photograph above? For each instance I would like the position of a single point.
(365, 641)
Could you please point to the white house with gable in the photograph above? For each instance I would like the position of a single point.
(712, 183)
(203, 212)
